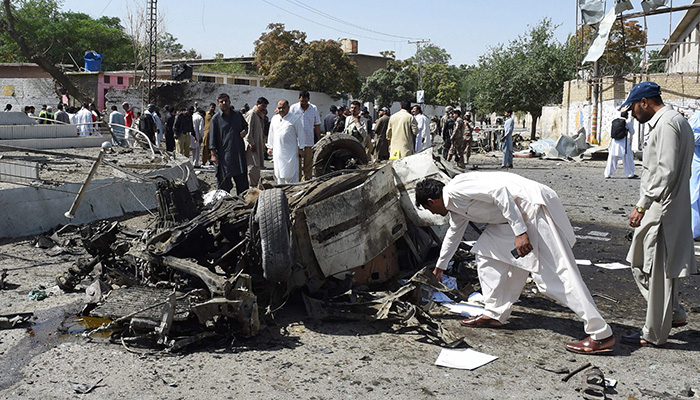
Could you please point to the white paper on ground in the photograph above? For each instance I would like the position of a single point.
(584, 262)
(598, 233)
(476, 297)
(615, 265)
(463, 359)
(464, 309)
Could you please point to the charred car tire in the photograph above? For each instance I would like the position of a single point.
(335, 152)
(272, 216)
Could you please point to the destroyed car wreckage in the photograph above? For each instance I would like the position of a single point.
(224, 269)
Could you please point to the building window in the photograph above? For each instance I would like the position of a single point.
(205, 78)
(241, 82)
(106, 78)
(120, 80)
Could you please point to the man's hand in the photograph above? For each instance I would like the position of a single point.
(635, 218)
(522, 244)
(252, 147)
(438, 273)
(243, 133)
(214, 158)
(301, 152)
(269, 152)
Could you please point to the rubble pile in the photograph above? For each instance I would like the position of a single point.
(223, 269)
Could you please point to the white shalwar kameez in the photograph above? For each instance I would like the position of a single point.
(621, 149)
(513, 205)
(286, 139)
(84, 119)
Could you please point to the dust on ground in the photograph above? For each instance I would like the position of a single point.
(299, 357)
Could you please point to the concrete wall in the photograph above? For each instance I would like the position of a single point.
(678, 90)
(33, 210)
(186, 93)
(22, 92)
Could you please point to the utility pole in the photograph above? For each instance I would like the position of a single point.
(152, 64)
(418, 44)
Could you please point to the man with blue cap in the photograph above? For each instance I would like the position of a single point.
(662, 248)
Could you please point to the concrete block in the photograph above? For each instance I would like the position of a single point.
(15, 118)
(18, 171)
(33, 210)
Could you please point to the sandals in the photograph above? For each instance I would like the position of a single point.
(593, 385)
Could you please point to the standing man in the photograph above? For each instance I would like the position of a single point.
(447, 124)
(169, 126)
(329, 120)
(526, 215)
(182, 131)
(620, 148)
(254, 140)
(62, 116)
(128, 119)
(468, 132)
(226, 132)
(457, 139)
(284, 143)
(507, 140)
(83, 119)
(382, 148)
(402, 132)
(662, 248)
(147, 124)
(423, 122)
(197, 137)
(311, 122)
(205, 142)
(694, 122)
(356, 125)
(115, 117)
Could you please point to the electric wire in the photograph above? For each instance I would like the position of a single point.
(336, 19)
(328, 26)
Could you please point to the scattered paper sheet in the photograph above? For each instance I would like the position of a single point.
(615, 265)
(584, 262)
(598, 233)
(463, 359)
(476, 297)
(464, 309)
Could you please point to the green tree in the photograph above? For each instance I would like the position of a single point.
(225, 67)
(433, 54)
(61, 37)
(526, 75)
(656, 62)
(288, 61)
(386, 86)
(169, 48)
(442, 84)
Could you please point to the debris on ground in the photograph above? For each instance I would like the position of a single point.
(221, 267)
(38, 294)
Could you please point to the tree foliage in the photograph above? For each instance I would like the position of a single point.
(526, 75)
(442, 83)
(61, 37)
(288, 61)
(169, 48)
(624, 49)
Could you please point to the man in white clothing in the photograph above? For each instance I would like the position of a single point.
(311, 121)
(530, 217)
(197, 137)
(285, 143)
(423, 140)
(83, 119)
(620, 147)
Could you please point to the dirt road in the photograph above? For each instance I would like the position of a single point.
(299, 357)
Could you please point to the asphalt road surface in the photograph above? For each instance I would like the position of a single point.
(302, 358)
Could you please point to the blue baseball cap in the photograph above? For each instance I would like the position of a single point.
(642, 90)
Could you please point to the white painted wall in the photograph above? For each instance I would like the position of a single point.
(29, 92)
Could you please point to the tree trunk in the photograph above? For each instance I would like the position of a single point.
(536, 114)
(9, 26)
